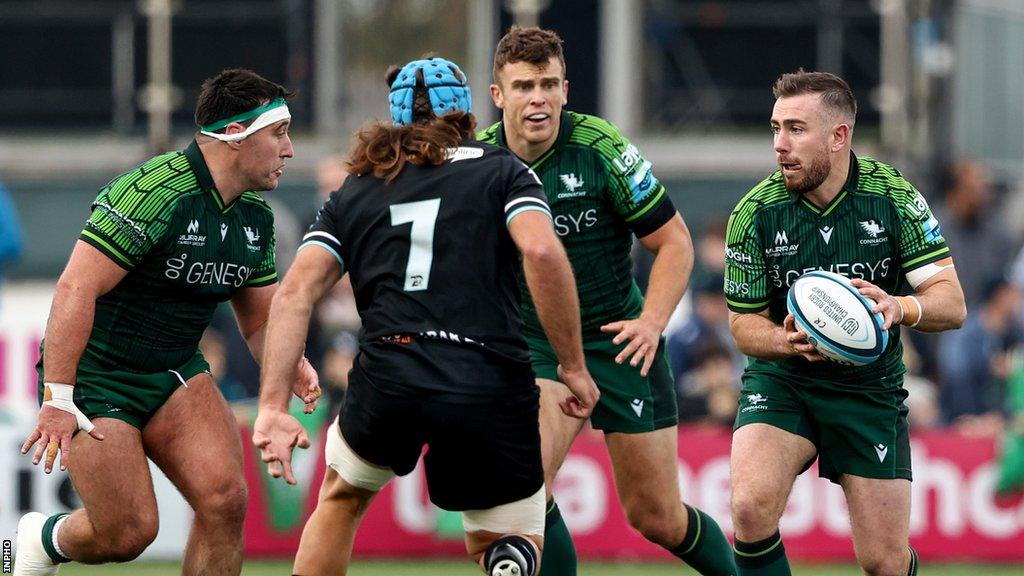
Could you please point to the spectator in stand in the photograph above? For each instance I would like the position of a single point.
(970, 224)
(974, 361)
(707, 324)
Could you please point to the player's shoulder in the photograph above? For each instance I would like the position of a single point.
(878, 178)
(163, 178)
(592, 131)
(255, 201)
(489, 135)
(767, 193)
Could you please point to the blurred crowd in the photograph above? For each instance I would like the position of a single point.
(959, 379)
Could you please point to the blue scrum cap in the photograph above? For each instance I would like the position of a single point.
(445, 84)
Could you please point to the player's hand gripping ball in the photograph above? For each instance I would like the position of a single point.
(837, 318)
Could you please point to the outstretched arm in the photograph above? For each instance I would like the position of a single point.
(275, 432)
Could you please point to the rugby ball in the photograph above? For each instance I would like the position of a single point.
(837, 318)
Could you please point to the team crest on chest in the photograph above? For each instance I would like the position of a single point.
(252, 237)
(874, 232)
(572, 184)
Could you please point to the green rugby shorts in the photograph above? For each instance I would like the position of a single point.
(629, 403)
(104, 391)
(858, 430)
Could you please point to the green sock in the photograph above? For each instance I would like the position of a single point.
(764, 558)
(704, 547)
(559, 557)
(912, 571)
(47, 537)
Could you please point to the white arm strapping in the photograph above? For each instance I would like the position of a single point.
(917, 276)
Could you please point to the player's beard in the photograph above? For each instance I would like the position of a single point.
(814, 175)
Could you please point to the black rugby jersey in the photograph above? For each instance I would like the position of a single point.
(429, 254)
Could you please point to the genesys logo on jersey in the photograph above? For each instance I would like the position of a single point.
(781, 246)
(566, 224)
(192, 237)
(874, 232)
(207, 273)
(873, 272)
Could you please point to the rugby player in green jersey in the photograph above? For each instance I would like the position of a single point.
(827, 209)
(166, 242)
(602, 192)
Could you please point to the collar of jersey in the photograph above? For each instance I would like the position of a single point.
(849, 187)
(203, 176)
(565, 127)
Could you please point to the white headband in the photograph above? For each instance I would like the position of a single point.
(265, 119)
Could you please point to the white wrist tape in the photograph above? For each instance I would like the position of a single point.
(62, 398)
(920, 312)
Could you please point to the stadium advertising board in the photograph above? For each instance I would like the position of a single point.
(954, 513)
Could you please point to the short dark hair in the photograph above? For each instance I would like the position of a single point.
(835, 92)
(531, 45)
(234, 91)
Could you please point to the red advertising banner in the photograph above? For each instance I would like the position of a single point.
(954, 513)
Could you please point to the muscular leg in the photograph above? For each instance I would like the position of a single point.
(193, 438)
(557, 432)
(119, 519)
(647, 481)
(326, 544)
(880, 517)
(765, 462)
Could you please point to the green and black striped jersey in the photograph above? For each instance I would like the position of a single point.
(878, 228)
(185, 252)
(601, 191)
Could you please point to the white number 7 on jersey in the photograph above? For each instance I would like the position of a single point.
(423, 215)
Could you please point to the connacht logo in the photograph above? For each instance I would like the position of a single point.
(251, 235)
(872, 228)
(571, 182)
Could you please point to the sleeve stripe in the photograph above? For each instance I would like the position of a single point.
(519, 211)
(320, 233)
(924, 257)
(525, 199)
(736, 304)
(109, 248)
(649, 206)
(325, 247)
(271, 276)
